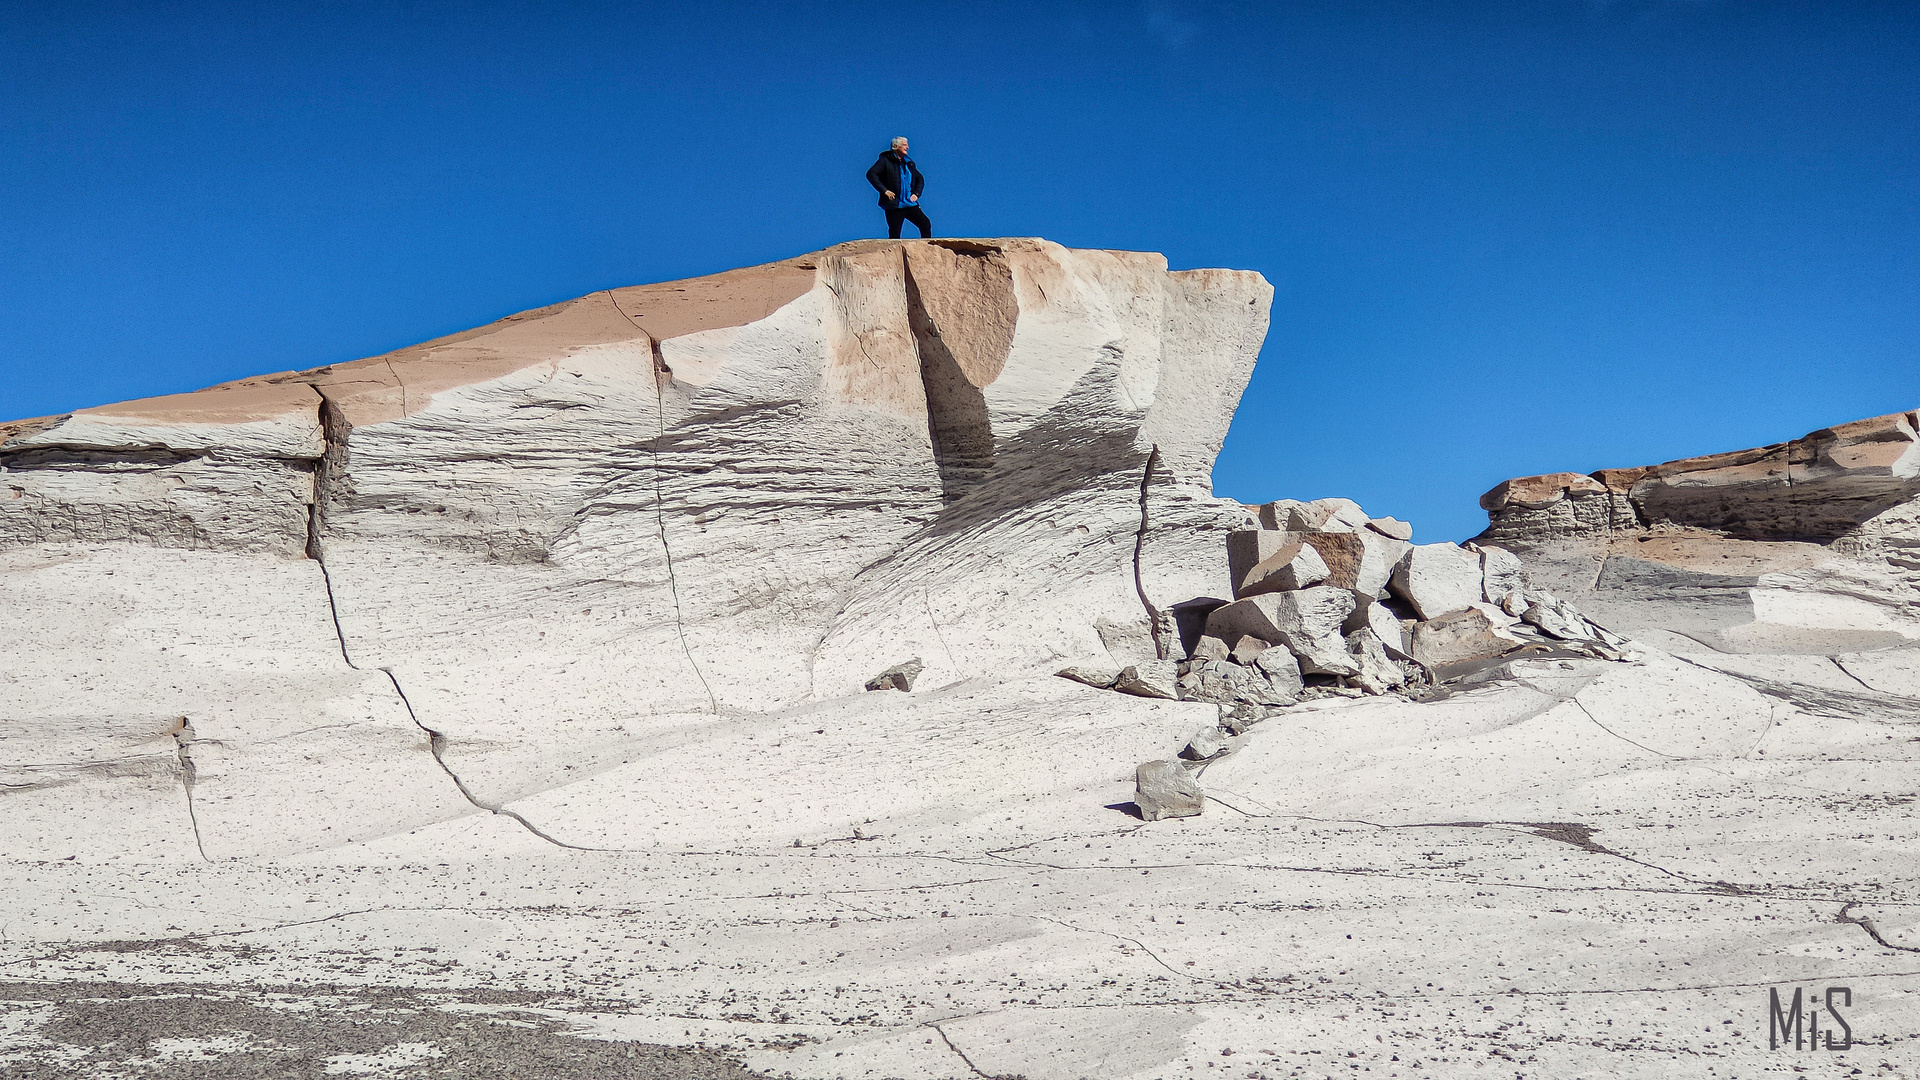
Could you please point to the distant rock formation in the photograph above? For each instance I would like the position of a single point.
(1818, 487)
(1811, 545)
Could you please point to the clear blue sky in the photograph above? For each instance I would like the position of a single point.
(1507, 237)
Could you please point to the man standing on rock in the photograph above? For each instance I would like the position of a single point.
(898, 180)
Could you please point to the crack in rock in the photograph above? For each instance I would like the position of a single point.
(182, 733)
(1873, 931)
(437, 743)
(326, 472)
(662, 374)
(938, 1030)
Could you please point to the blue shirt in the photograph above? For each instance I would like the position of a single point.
(904, 197)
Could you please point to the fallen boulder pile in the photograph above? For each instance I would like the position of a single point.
(1330, 601)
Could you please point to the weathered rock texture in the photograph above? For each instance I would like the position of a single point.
(511, 686)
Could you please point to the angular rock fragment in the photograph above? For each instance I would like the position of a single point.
(1307, 622)
(1165, 789)
(1460, 636)
(1247, 649)
(1102, 678)
(1392, 528)
(1206, 744)
(1438, 578)
(1263, 561)
(1501, 573)
(898, 677)
(1557, 618)
(1282, 670)
(1209, 648)
(1152, 678)
(1362, 561)
(1320, 515)
(1386, 626)
(1378, 673)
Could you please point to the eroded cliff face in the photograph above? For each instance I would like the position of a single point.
(1811, 545)
(593, 525)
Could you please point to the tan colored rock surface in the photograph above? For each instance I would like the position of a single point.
(1821, 486)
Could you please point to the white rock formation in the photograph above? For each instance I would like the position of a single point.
(611, 519)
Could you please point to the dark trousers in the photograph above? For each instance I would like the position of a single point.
(907, 213)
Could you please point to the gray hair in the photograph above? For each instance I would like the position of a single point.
(898, 139)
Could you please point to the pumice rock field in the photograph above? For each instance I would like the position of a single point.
(843, 668)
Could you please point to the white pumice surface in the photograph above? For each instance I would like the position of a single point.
(549, 716)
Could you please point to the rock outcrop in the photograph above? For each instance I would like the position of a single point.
(608, 518)
(1819, 487)
(1812, 544)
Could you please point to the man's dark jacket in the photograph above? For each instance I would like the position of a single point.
(885, 177)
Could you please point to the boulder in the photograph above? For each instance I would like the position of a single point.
(1320, 515)
(1362, 561)
(1165, 789)
(1456, 637)
(1209, 648)
(1438, 578)
(1282, 670)
(1152, 678)
(898, 677)
(1501, 573)
(1263, 561)
(1307, 622)
(1386, 627)
(1378, 673)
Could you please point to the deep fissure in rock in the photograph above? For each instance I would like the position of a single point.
(328, 473)
(1139, 548)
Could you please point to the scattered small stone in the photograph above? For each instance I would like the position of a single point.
(898, 677)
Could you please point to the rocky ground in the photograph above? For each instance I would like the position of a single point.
(498, 709)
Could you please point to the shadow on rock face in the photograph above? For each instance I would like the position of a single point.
(103, 1028)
